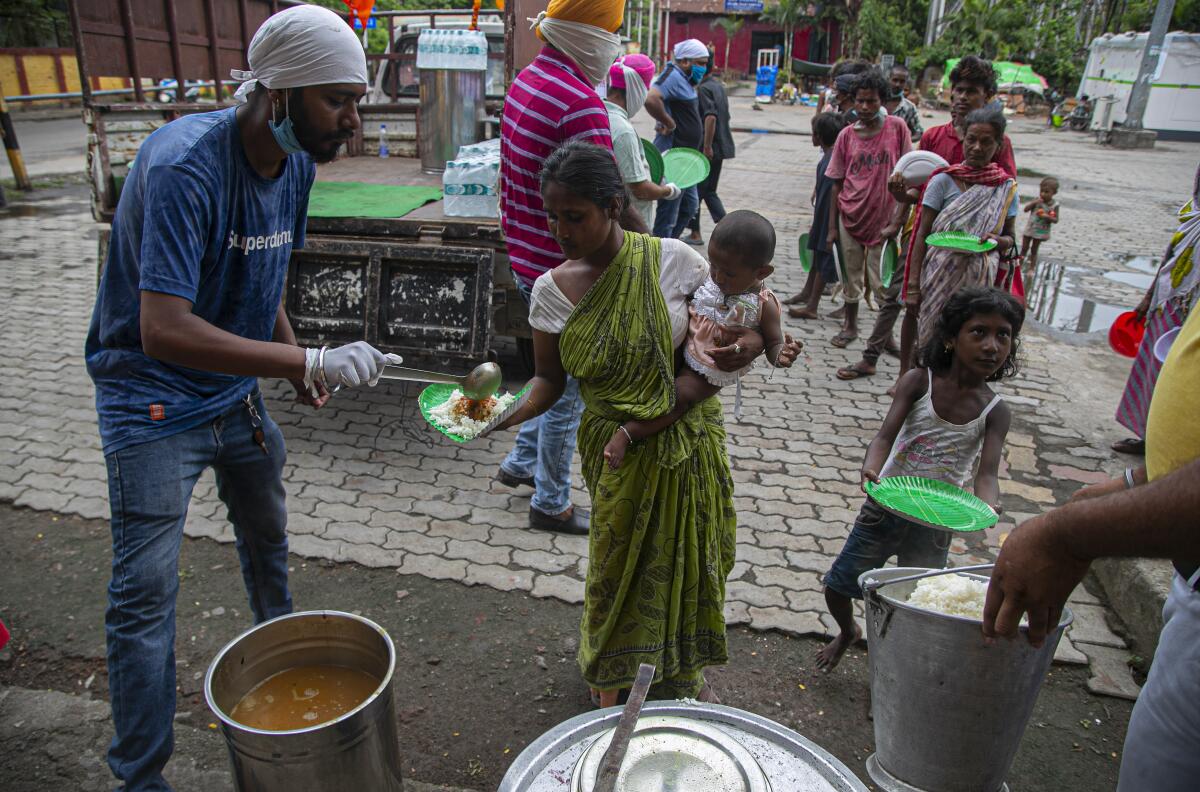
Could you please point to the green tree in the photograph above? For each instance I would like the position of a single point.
(1139, 13)
(731, 25)
(34, 23)
(885, 26)
(788, 14)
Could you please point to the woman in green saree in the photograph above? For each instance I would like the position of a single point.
(661, 540)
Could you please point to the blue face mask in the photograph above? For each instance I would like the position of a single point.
(284, 132)
(698, 73)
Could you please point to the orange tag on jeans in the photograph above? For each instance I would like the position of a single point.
(157, 413)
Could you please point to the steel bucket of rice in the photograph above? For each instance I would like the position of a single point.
(949, 711)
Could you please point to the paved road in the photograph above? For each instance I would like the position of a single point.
(52, 146)
(369, 484)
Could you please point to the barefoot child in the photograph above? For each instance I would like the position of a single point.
(1043, 213)
(863, 158)
(825, 130)
(740, 250)
(944, 419)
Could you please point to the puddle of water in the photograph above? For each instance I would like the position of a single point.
(1137, 280)
(20, 210)
(1147, 264)
(1053, 301)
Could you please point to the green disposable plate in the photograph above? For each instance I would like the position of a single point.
(654, 159)
(960, 240)
(932, 503)
(685, 167)
(887, 263)
(437, 394)
(805, 253)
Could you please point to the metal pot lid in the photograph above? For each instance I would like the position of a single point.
(669, 753)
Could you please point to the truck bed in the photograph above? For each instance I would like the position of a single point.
(396, 170)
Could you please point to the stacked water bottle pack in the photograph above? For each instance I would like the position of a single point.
(469, 181)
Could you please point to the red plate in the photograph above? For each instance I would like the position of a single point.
(1126, 333)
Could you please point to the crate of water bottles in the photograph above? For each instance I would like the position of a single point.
(469, 181)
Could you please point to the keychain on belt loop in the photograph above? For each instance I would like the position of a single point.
(256, 424)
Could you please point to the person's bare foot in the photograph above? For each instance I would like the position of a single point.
(862, 368)
(803, 313)
(609, 698)
(840, 313)
(708, 695)
(843, 339)
(797, 298)
(829, 656)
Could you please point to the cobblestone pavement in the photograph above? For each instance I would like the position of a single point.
(368, 484)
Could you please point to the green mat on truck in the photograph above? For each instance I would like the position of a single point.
(359, 199)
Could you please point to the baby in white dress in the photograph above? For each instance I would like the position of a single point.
(740, 251)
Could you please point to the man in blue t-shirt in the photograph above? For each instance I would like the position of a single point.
(673, 103)
(188, 314)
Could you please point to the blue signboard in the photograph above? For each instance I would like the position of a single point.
(744, 6)
(372, 22)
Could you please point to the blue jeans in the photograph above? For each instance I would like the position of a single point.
(1164, 729)
(149, 486)
(877, 536)
(545, 446)
(671, 217)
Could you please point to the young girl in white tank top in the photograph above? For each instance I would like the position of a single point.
(943, 420)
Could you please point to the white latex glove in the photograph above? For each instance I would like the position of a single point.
(675, 191)
(349, 365)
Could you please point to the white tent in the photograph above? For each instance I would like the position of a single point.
(1174, 106)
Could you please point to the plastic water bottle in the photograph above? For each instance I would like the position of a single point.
(383, 149)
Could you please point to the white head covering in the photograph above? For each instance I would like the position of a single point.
(690, 49)
(634, 82)
(592, 48)
(304, 45)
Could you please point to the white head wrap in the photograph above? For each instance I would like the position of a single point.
(592, 48)
(690, 49)
(635, 91)
(304, 45)
(634, 82)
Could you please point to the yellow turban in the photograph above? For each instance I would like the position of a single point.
(606, 14)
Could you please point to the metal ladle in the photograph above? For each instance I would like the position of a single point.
(480, 383)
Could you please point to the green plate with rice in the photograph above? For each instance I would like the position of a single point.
(438, 394)
(960, 240)
(932, 503)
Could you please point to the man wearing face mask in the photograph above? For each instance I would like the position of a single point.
(188, 314)
(628, 81)
(674, 104)
(552, 101)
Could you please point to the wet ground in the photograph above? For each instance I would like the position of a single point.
(1080, 299)
(481, 672)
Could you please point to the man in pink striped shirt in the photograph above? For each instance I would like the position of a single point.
(551, 102)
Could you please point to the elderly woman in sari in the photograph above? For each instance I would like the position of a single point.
(662, 525)
(976, 196)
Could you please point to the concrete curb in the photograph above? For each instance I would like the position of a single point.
(1136, 589)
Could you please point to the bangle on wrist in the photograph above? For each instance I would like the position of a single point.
(1129, 481)
(626, 431)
